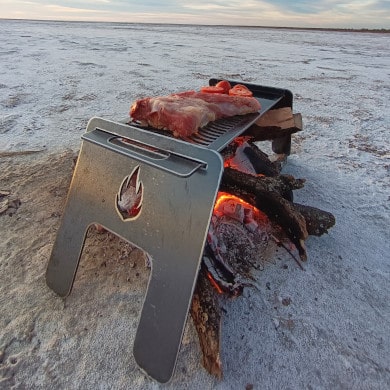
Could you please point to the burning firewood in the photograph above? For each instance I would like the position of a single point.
(254, 214)
(265, 194)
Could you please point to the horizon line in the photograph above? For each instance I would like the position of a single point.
(341, 29)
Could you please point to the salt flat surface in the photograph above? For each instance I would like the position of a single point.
(335, 333)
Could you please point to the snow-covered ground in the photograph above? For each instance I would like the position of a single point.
(335, 333)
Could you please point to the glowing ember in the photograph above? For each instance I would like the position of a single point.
(237, 230)
(214, 283)
(235, 207)
(225, 197)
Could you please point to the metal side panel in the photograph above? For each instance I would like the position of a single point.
(170, 222)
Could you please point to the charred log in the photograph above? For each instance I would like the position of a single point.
(317, 221)
(206, 314)
(261, 162)
(221, 274)
(281, 184)
(267, 195)
(284, 214)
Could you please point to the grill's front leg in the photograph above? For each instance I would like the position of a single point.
(164, 314)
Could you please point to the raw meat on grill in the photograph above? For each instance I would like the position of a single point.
(184, 113)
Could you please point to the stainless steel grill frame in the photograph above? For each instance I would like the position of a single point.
(180, 181)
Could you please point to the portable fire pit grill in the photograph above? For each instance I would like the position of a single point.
(168, 180)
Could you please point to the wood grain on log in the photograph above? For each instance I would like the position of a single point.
(260, 161)
(317, 221)
(279, 184)
(206, 314)
(266, 193)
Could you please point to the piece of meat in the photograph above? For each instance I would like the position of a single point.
(184, 113)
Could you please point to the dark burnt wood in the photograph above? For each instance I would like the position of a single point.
(318, 221)
(271, 194)
(206, 314)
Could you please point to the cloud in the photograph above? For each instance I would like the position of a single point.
(60, 10)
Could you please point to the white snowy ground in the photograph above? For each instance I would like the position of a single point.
(334, 334)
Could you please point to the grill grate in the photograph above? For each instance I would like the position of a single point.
(218, 134)
(215, 135)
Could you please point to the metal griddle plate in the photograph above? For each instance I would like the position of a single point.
(218, 134)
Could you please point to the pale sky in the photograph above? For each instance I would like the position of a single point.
(295, 13)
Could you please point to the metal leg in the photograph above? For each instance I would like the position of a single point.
(164, 315)
(67, 249)
(282, 145)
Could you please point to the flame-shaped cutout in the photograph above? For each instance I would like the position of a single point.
(130, 195)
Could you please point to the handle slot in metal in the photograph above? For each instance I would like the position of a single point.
(139, 147)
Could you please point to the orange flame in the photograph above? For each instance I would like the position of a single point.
(224, 196)
(241, 140)
(237, 142)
